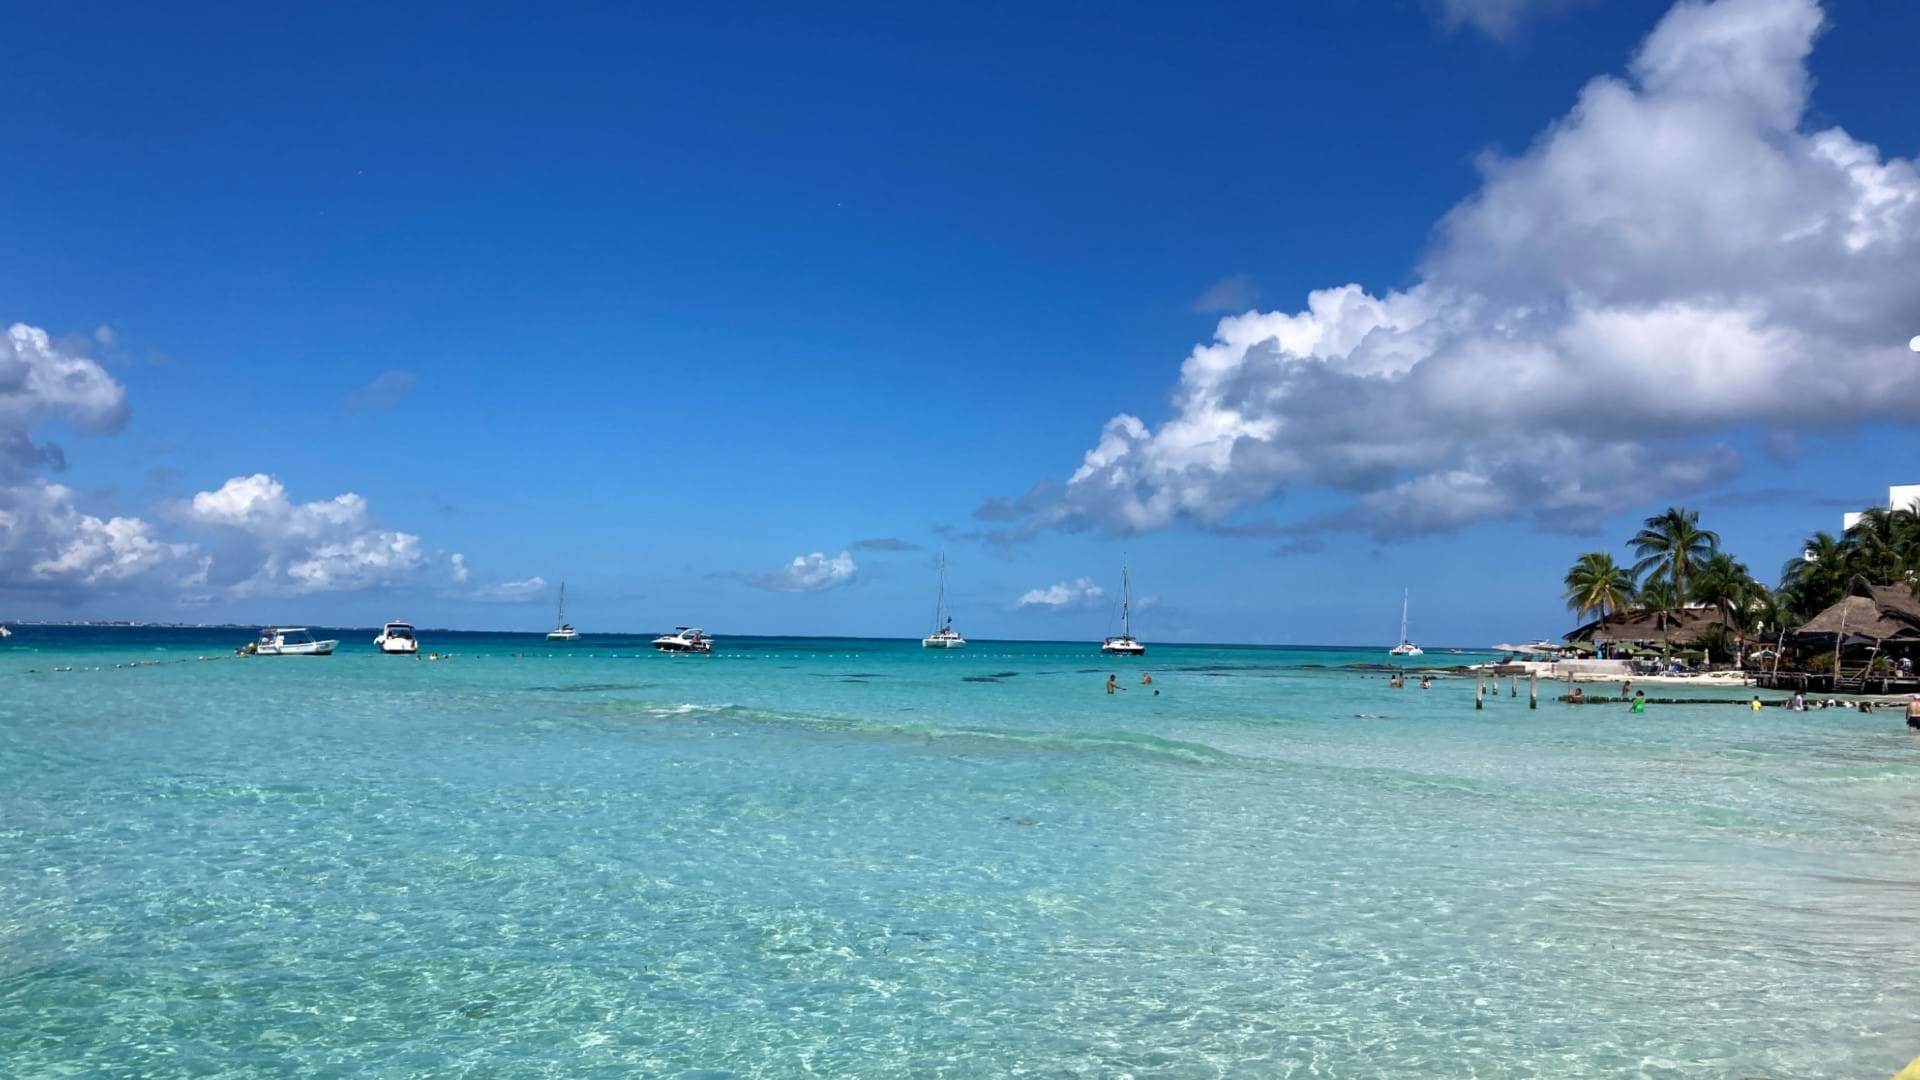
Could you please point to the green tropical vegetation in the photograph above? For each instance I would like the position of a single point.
(1597, 585)
(1678, 562)
(1671, 547)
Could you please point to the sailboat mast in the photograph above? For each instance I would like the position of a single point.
(940, 600)
(1403, 614)
(560, 618)
(1126, 603)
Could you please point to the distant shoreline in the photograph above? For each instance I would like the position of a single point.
(1435, 654)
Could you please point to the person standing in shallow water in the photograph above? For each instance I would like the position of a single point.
(1913, 711)
(1113, 684)
(1640, 701)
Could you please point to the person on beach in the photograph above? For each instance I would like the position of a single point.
(1639, 701)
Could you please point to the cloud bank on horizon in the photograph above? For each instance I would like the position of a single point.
(1676, 259)
(244, 538)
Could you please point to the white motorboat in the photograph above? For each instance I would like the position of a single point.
(5, 633)
(1406, 647)
(684, 639)
(562, 629)
(1125, 644)
(944, 635)
(397, 638)
(291, 641)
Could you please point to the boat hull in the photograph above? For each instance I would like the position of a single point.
(1123, 648)
(943, 643)
(681, 647)
(398, 648)
(570, 635)
(310, 648)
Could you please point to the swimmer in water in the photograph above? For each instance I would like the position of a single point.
(1113, 684)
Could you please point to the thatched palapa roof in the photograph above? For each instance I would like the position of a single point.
(1669, 627)
(1868, 612)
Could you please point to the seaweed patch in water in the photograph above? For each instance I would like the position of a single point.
(978, 678)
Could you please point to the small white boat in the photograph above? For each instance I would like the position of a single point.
(944, 635)
(291, 641)
(397, 638)
(684, 639)
(1406, 647)
(562, 629)
(1125, 644)
(5, 633)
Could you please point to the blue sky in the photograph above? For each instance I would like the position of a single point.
(656, 302)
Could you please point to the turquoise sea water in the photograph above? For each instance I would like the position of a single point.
(859, 858)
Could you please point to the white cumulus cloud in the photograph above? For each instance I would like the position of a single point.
(284, 547)
(1072, 595)
(45, 539)
(457, 565)
(1678, 257)
(809, 573)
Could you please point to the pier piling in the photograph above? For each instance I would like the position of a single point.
(1533, 689)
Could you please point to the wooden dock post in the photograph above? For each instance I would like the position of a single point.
(1480, 691)
(1533, 689)
(1513, 686)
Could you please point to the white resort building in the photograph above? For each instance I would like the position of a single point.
(1899, 497)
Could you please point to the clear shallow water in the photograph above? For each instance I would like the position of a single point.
(862, 858)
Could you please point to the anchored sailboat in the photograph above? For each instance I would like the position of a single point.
(1124, 645)
(944, 636)
(562, 629)
(1406, 647)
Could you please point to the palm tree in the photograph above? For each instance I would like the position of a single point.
(1596, 584)
(1812, 582)
(1657, 595)
(1885, 545)
(1670, 547)
(1724, 582)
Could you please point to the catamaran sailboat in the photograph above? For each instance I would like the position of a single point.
(1124, 645)
(396, 639)
(562, 629)
(944, 635)
(1406, 647)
